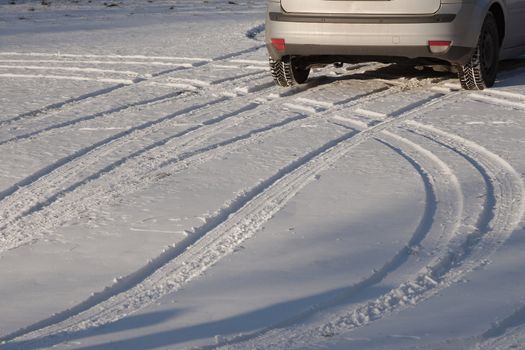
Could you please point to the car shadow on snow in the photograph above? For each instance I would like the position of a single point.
(393, 73)
(390, 72)
(511, 73)
(403, 71)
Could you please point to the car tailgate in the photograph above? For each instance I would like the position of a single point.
(362, 7)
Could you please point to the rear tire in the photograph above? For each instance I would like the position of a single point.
(287, 73)
(480, 72)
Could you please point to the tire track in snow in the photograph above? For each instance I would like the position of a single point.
(449, 197)
(219, 85)
(444, 200)
(514, 320)
(23, 197)
(83, 98)
(99, 148)
(60, 105)
(185, 89)
(108, 56)
(71, 69)
(72, 122)
(499, 101)
(106, 62)
(507, 334)
(69, 77)
(43, 188)
(221, 235)
(500, 98)
(504, 209)
(125, 181)
(147, 164)
(76, 100)
(146, 79)
(513, 340)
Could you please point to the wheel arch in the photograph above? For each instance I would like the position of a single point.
(498, 12)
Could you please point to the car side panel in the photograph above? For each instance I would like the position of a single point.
(516, 23)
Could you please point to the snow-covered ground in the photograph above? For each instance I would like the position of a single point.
(158, 192)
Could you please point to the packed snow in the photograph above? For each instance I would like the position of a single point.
(157, 191)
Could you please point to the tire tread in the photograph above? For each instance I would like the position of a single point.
(471, 75)
(282, 73)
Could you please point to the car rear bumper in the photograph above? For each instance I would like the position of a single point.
(382, 36)
(355, 54)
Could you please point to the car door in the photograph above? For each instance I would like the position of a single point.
(360, 7)
(516, 27)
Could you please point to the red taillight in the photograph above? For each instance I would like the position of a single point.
(439, 43)
(279, 44)
(439, 46)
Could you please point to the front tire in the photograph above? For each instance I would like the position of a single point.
(480, 72)
(286, 72)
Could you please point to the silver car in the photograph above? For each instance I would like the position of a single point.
(471, 36)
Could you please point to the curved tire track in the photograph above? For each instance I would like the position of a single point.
(443, 200)
(504, 209)
(220, 236)
(507, 334)
(466, 252)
